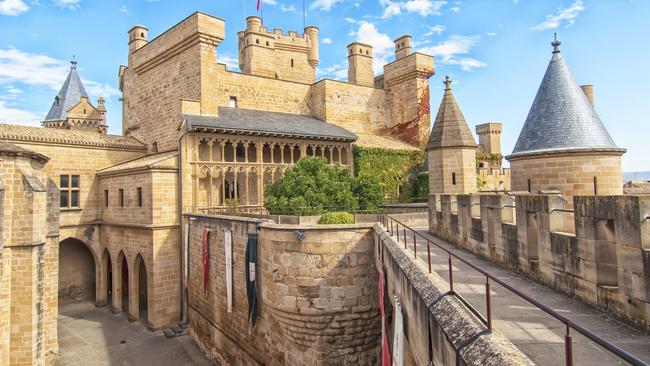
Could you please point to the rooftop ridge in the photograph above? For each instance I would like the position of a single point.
(73, 137)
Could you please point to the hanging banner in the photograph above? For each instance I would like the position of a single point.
(398, 339)
(385, 351)
(205, 257)
(227, 240)
(251, 287)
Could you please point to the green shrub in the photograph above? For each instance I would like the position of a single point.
(313, 187)
(336, 218)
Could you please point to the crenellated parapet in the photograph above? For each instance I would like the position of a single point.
(594, 247)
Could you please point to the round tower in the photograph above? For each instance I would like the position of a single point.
(564, 145)
(312, 57)
(137, 37)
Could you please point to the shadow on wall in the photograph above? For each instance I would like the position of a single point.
(76, 272)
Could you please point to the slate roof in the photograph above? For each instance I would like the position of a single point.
(68, 137)
(450, 128)
(69, 95)
(163, 160)
(258, 122)
(561, 117)
(11, 149)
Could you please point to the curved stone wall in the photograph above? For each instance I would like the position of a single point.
(322, 291)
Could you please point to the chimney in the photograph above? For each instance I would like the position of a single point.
(402, 46)
(137, 37)
(589, 93)
(360, 64)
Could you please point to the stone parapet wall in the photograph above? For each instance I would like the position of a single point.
(318, 296)
(435, 321)
(599, 251)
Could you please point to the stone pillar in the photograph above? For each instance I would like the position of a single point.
(116, 303)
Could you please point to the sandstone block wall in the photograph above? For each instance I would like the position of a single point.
(318, 300)
(457, 167)
(597, 251)
(29, 237)
(433, 321)
(572, 174)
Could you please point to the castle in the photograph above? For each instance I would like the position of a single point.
(89, 215)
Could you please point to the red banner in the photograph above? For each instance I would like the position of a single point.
(205, 253)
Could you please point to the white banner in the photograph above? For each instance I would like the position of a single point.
(227, 239)
(398, 338)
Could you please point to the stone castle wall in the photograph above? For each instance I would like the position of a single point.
(28, 261)
(318, 300)
(597, 251)
(456, 167)
(572, 174)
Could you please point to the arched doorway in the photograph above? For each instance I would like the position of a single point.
(76, 272)
(141, 282)
(107, 279)
(125, 284)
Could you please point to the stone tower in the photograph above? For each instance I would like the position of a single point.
(276, 55)
(360, 64)
(451, 150)
(71, 109)
(563, 145)
(406, 81)
(489, 138)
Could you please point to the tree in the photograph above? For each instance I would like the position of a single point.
(313, 187)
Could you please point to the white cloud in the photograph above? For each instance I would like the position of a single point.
(452, 51)
(324, 5)
(327, 41)
(13, 115)
(288, 9)
(350, 20)
(564, 15)
(492, 34)
(422, 7)
(13, 7)
(231, 62)
(69, 4)
(435, 29)
(32, 69)
(270, 2)
(125, 10)
(100, 89)
(382, 45)
(336, 71)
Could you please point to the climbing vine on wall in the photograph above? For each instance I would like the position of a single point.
(391, 167)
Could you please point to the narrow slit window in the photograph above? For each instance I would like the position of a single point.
(121, 195)
(106, 197)
(529, 188)
(453, 178)
(139, 196)
(595, 186)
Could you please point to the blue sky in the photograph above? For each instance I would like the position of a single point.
(496, 51)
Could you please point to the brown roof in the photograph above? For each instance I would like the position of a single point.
(11, 149)
(450, 128)
(71, 137)
(164, 160)
(636, 187)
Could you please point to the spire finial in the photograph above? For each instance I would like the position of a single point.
(556, 44)
(73, 63)
(447, 82)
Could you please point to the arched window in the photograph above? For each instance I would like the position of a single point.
(257, 41)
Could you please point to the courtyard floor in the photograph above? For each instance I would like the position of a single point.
(535, 333)
(94, 336)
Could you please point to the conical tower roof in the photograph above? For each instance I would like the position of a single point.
(561, 117)
(69, 95)
(450, 128)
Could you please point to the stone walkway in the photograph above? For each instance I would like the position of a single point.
(535, 333)
(94, 336)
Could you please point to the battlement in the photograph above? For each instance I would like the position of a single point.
(277, 55)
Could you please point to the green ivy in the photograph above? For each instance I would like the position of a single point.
(493, 158)
(391, 167)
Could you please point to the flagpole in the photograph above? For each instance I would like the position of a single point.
(304, 14)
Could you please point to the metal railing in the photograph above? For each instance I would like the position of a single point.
(394, 227)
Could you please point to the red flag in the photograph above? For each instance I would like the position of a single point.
(205, 251)
(259, 3)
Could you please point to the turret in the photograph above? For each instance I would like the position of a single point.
(137, 37)
(360, 64)
(402, 46)
(312, 57)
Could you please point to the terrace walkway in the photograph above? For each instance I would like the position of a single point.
(535, 333)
